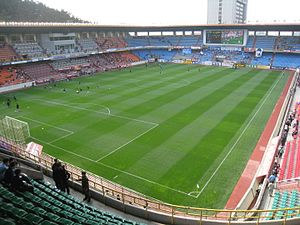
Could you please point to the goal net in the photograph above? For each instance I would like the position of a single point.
(14, 130)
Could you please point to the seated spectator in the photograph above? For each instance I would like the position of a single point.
(18, 182)
(3, 167)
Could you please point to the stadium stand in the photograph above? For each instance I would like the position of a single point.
(285, 199)
(88, 45)
(287, 60)
(39, 72)
(10, 76)
(267, 43)
(288, 43)
(29, 50)
(112, 42)
(49, 206)
(152, 54)
(250, 42)
(69, 64)
(7, 53)
(266, 59)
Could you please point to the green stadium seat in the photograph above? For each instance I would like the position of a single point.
(34, 219)
(28, 207)
(47, 222)
(91, 222)
(66, 214)
(52, 217)
(79, 219)
(55, 209)
(45, 205)
(39, 211)
(4, 221)
(64, 221)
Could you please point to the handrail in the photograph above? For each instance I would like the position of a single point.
(130, 197)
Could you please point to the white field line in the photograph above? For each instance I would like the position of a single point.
(113, 168)
(117, 116)
(233, 146)
(62, 137)
(55, 146)
(108, 110)
(144, 179)
(47, 124)
(118, 148)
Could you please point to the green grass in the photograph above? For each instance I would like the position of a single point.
(160, 134)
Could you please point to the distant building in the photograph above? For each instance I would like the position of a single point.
(226, 11)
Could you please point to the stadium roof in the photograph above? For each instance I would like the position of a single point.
(14, 27)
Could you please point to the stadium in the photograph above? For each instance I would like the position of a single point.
(174, 124)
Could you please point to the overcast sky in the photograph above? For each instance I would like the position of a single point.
(169, 12)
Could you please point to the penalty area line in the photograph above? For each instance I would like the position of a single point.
(240, 136)
(103, 113)
(118, 170)
(128, 142)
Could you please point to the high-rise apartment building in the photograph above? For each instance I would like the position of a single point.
(226, 11)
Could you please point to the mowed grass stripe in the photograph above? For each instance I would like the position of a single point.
(88, 140)
(146, 107)
(158, 81)
(178, 145)
(163, 110)
(146, 88)
(215, 140)
(169, 127)
(74, 143)
(126, 82)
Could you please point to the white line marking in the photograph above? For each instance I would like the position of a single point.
(144, 179)
(113, 168)
(231, 149)
(62, 137)
(55, 146)
(47, 124)
(77, 107)
(108, 110)
(127, 143)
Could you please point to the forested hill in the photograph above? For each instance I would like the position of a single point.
(32, 11)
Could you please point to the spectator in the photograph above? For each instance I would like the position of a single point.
(272, 178)
(3, 167)
(65, 178)
(9, 173)
(85, 186)
(19, 184)
(55, 175)
(280, 152)
(59, 176)
(271, 187)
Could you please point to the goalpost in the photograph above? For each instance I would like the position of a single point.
(14, 130)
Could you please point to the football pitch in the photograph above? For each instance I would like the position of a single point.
(182, 134)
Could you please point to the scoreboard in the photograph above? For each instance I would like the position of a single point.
(225, 37)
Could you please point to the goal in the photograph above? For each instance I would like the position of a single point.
(14, 130)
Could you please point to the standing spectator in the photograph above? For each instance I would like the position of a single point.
(9, 173)
(3, 167)
(55, 175)
(66, 177)
(280, 152)
(60, 177)
(271, 187)
(85, 186)
(272, 178)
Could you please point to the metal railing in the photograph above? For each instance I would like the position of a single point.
(130, 197)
